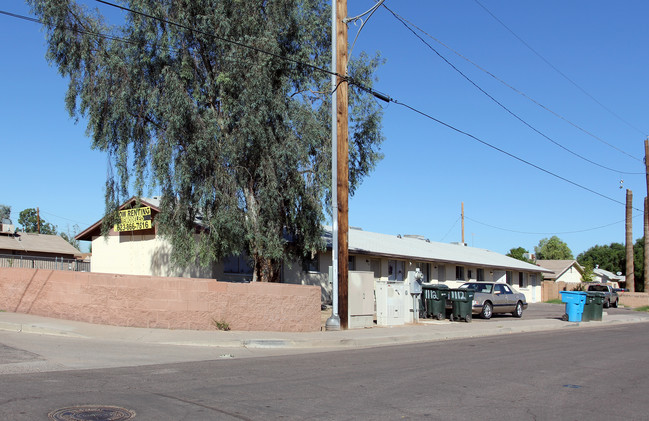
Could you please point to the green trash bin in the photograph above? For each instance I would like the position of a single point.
(462, 299)
(434, 300)
(593, 306)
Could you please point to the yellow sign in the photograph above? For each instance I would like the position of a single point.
(134, 219)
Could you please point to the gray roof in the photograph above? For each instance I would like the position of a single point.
(608, 275)
(37, 243)
(420, 249)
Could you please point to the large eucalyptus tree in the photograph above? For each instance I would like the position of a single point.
(221, 106)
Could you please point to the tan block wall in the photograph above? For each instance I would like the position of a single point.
(160, 302)
(634, 299)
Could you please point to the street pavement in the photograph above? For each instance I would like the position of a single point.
(539, 317)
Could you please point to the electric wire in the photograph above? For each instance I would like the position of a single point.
(523, 94)
(559, 71)
(516, 116)
(387, 98)
(548, 233)
(226, 40)
(450, 229)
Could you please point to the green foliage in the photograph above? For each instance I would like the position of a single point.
(519, 253)
(611, 258)
(587, 275)
(555, 301)
(29, 221)
(234, 136)
(221, 325)
(5, 212)
(552, 249)
(69, 236)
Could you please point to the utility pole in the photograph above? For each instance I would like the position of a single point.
(630, 278)
(646, 218)
(342, 190)
(38, 219)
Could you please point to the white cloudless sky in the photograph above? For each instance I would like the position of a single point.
(599, 48)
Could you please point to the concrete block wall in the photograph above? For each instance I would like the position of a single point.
(160, 302)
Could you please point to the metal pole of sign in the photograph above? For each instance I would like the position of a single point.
(333, 322)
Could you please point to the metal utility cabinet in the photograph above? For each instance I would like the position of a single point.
(390, 300)
(361, 299)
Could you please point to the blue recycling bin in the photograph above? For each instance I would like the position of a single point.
(575, 301)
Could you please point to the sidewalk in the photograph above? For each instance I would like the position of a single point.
(425, 331)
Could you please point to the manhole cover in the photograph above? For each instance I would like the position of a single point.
(91, 413)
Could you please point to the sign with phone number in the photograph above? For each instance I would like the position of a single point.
(134, 219)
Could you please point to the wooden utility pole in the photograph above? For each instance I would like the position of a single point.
(630, 278)
(343, 161)
(462, 223)
(646, 249)
(38, 220)
(646, 219)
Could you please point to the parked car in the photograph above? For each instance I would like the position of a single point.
(496, 297)
(611, 299)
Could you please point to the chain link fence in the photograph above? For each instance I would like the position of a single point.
(40, 262)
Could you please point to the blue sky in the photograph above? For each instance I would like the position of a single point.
(428, 169)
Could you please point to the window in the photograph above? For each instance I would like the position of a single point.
(311, 264)
(480, 274)
(459, 273)
(509, 277)
(522, 277)
(351, 263)
(425, 270)
(469, 274)
(395, 270)
(237, 264)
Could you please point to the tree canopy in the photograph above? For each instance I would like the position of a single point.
(553, 249)
(29, 220)
(519, 253)
(5, 212)
(610, 257)
(218, 104)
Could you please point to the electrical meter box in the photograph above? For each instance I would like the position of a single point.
(415, 278)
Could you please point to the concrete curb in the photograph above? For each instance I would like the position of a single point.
(361, 338)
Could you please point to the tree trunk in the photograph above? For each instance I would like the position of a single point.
(630, 278)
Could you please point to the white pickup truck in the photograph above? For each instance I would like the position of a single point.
(611, 299)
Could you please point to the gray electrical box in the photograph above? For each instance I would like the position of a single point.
(416, 278)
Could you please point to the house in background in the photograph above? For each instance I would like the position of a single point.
(604, 276)
(43, 251)
(134, 248)
(568, 271)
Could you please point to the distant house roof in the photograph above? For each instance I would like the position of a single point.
(419, 248)
(607, 276)
(95, 229)
(31, 243)
(559, 267)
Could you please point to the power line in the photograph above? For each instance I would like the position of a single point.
(503, 106)
(383, 97)
(515, 89)
(559, 71)
(547, 233)
(229, 41)
(508, 153)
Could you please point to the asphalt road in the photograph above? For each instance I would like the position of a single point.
(593, 374)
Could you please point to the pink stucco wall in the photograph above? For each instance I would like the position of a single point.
(159, 302)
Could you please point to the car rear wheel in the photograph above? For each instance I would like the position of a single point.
(607, 303)
(518, 312)
(487, 310)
